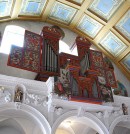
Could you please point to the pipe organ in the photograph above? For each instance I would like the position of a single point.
(50, 51)
(85, 77)
(39, 54)
(88, 74)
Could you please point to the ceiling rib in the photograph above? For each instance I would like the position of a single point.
(16, 9)
(48, 7)
(82, 9)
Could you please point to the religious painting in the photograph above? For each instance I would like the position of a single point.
(120, 90)
(31, 61)
(110, 77)
(15, 56)
(108, 63)
(62, 12)
(62, 83)
(32, 41)
(96, 59)
(106, 93)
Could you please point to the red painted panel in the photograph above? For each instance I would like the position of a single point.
(110, 77)
(96, 59)
(32, 41)
(15, 57)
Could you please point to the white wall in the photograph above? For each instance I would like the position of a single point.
(121, 77)
(37, 27)
(92, 132)
(121, 130)
(9, 130)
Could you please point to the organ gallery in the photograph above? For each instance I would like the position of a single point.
(86, 77)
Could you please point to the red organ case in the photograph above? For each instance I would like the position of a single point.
(89, 79)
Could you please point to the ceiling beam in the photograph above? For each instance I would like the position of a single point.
(16, 9)
(80, 13)
(47, 10)
(115, 18)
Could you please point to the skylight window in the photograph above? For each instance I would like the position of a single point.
(13, 35)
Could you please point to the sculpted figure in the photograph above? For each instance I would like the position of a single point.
(18, 95)
(125, 109)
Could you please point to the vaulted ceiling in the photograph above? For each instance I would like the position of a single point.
(106, 23)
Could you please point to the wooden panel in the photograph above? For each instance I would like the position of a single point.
(96, 59)
(31, 60)
(32, 41)
(106, 93)
(15, 57)
(110, 77)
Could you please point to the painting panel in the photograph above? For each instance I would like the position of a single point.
(62, 12)
(120, 90)
(89, 26)
(108, 63)
(62, 84)
(110, 77)
(32, 41)
(123, 26)
(15, 56)
(126, 62)
(32, 7)
(106, 93)
(105, 8)
(96, 59)
(31, 61)
(5, 7)
(113, 44)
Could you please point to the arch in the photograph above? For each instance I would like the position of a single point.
(22, 110)
(89, 116)
(13, 35)
(9, 122)
(118, 120)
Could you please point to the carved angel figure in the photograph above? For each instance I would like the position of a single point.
(18, 95)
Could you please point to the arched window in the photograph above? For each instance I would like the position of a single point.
(63, 47)
(13, 35)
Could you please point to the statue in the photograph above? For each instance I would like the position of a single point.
(125, 109)
(18, 95)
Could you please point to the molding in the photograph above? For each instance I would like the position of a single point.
(86, 106)
(29, 84)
